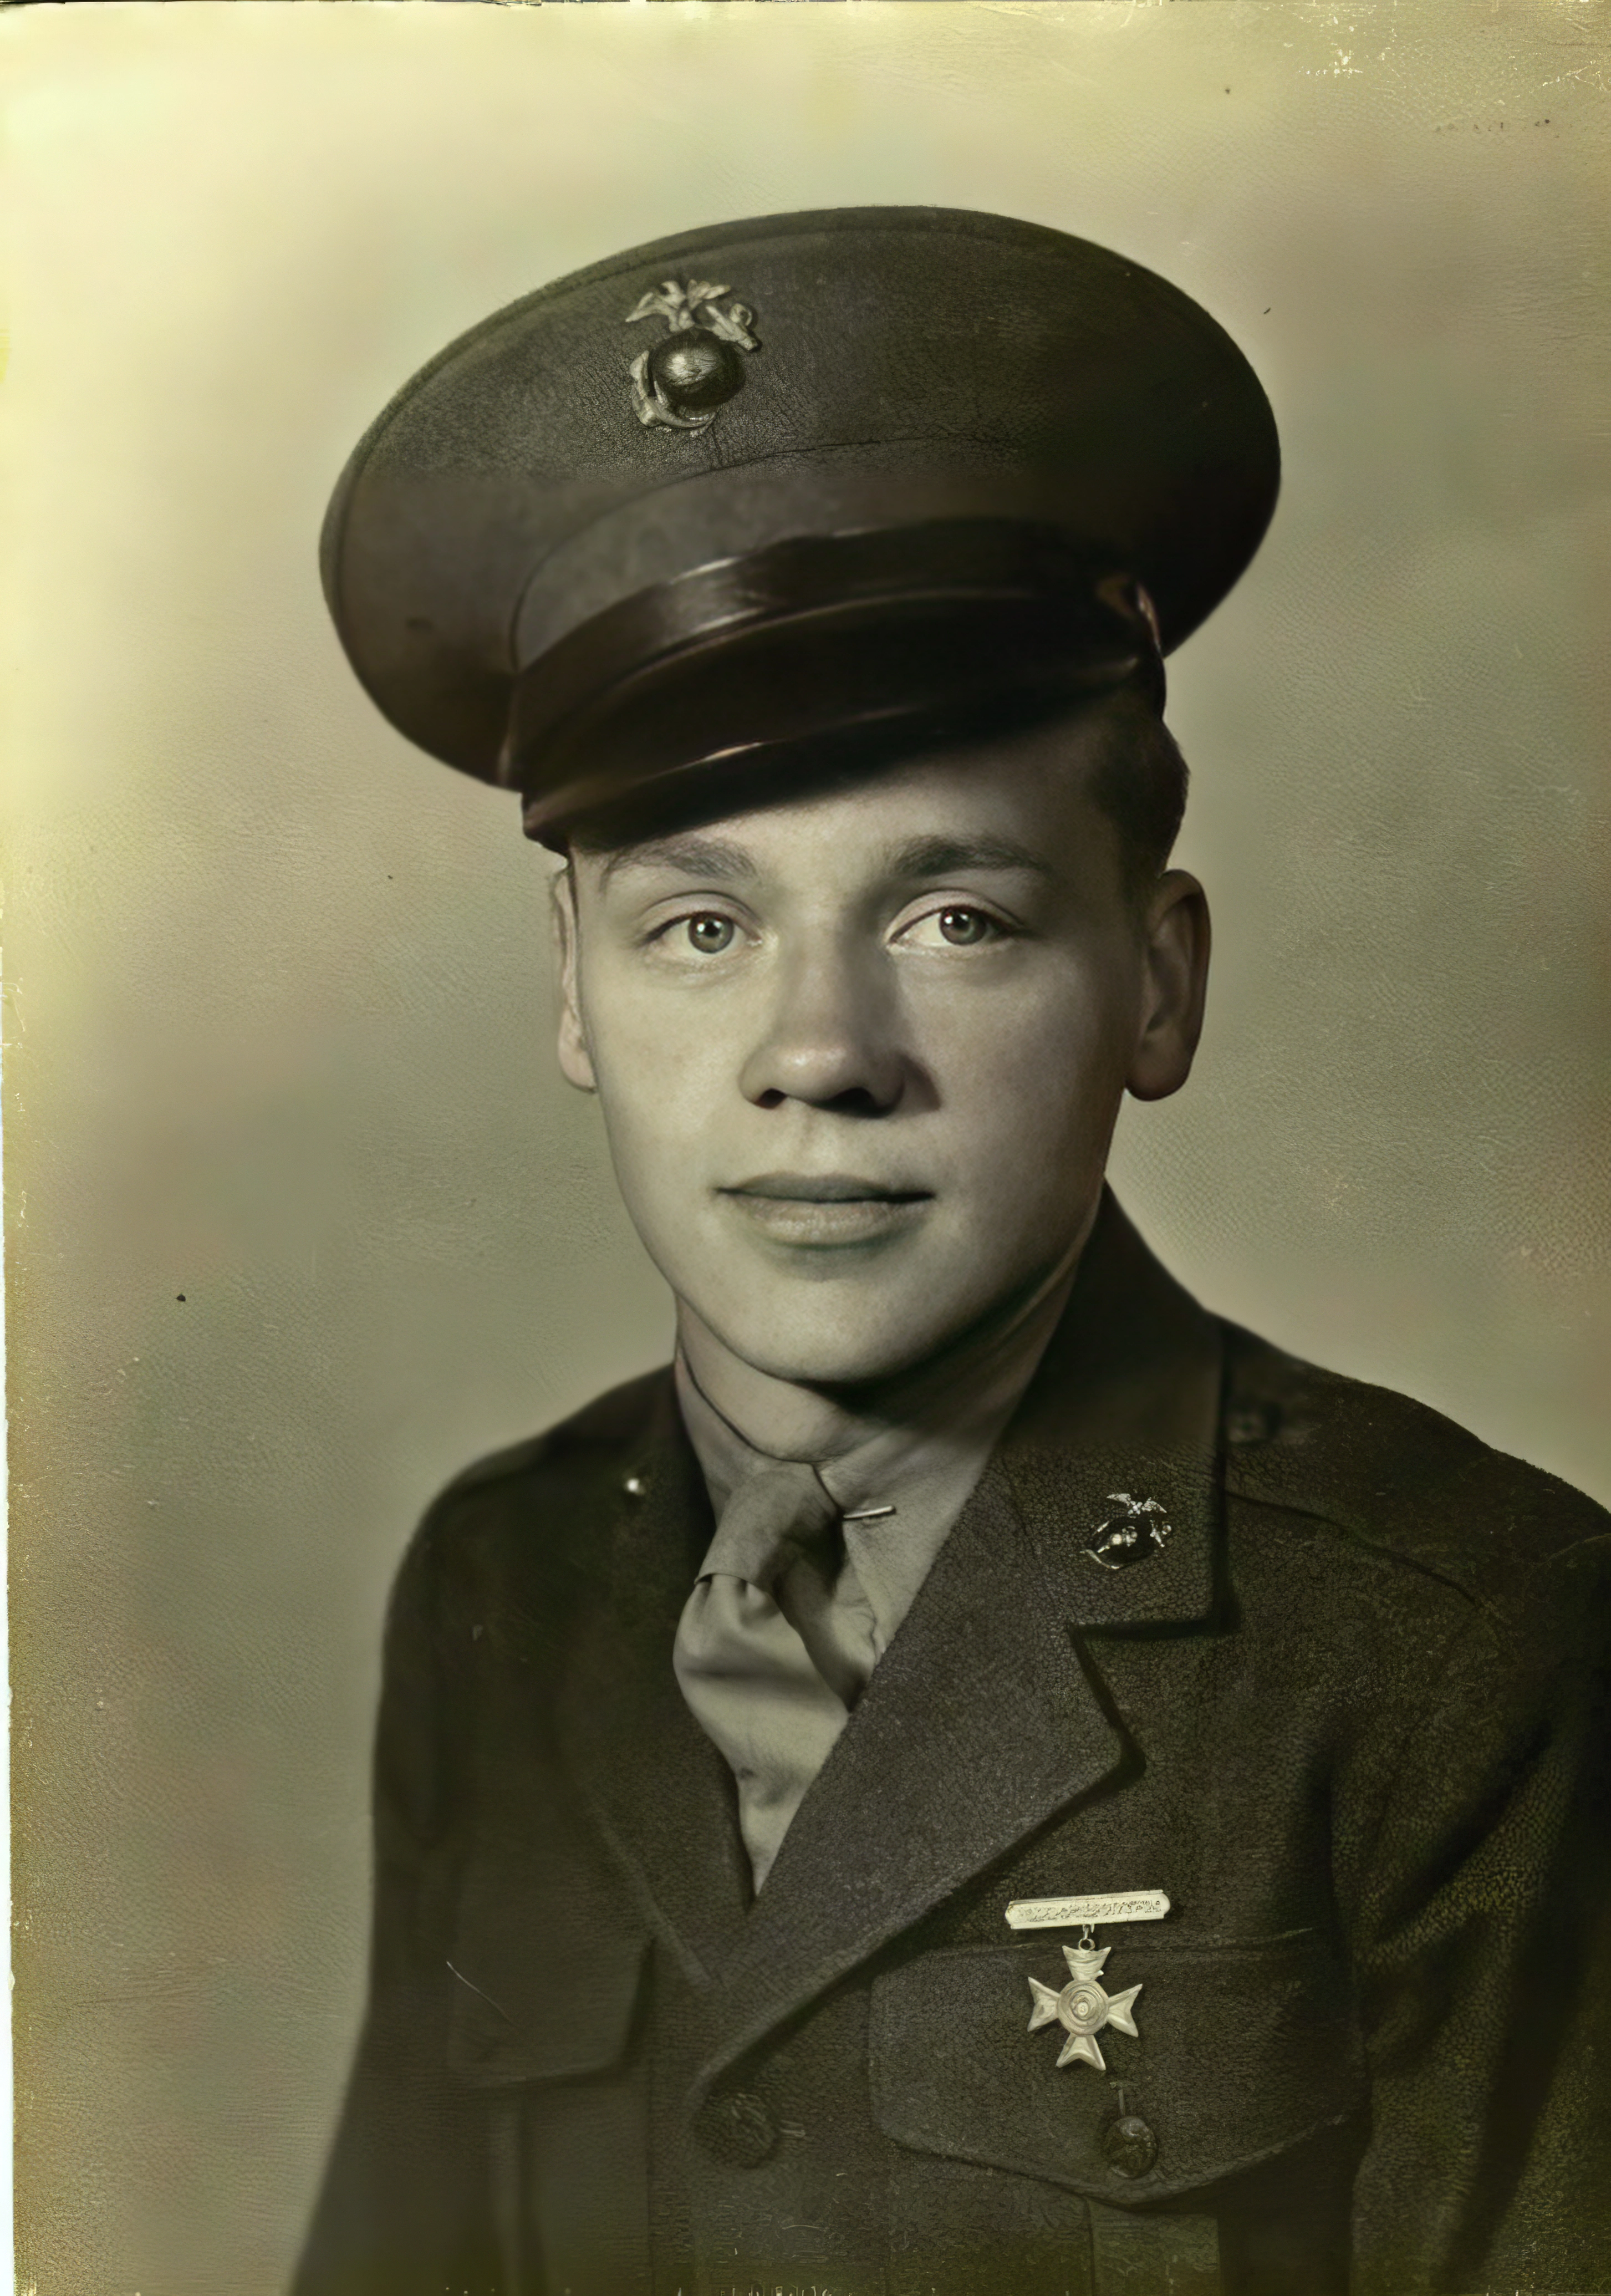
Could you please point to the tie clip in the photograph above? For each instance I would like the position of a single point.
(867, 1514)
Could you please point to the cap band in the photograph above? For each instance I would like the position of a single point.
(904, 634)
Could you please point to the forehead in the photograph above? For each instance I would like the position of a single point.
(1021, 803)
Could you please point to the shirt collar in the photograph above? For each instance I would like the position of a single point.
(922, 1470)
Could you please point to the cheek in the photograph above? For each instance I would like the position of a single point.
(1042, 1055)
(664, 1070)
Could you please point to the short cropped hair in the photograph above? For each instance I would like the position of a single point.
(1140, 781)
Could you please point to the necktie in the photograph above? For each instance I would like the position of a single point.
(769, 1662)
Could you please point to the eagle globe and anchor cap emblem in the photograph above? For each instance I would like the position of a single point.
(679, 382)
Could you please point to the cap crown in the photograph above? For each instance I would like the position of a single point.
(902, 366)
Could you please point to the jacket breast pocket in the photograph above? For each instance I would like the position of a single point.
(547, 1970)
(545, 1974)
(1240, 2053)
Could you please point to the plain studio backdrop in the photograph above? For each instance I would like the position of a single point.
(302, 1218)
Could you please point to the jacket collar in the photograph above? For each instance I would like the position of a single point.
(983, 1720)
(1121, 1429)
(661, 1793)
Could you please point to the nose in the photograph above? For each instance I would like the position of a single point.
(831, 1037)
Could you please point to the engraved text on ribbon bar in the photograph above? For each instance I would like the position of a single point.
(1060, 1912)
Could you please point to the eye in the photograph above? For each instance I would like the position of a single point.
(965, 928)
(957, 925)
(709, 933)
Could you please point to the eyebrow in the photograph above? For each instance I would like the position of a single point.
(940, 857)
(690, 857)
(919, 857)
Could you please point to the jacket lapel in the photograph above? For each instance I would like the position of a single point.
(1120, 1429)
(930, 1782)
(986, 1719)
(659, 1789)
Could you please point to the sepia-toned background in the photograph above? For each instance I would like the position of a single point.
(300, 1216)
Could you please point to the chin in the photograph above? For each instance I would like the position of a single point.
(833, 1367)
(856, 1350)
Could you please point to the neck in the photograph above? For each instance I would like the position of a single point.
(790, 1419)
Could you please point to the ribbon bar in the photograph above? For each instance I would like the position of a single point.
(1064, 1913)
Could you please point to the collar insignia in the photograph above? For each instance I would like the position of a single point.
(1133, 1536)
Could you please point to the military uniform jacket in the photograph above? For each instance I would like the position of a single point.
(1349, 1716)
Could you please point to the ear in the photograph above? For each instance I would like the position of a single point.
(576, 1062)
(1174, 987)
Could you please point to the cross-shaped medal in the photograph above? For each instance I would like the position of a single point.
(1083, 2008)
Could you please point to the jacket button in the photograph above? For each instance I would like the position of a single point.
(1252, 1422)
(1130, 2145)
(736, 2129)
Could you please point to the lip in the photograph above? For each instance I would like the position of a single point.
(826, 1210)
(824, 1188)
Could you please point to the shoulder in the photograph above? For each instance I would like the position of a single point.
(597, 1435)
(1376, 1473)
(532, 1503)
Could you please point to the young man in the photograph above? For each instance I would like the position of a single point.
(980, 1778)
